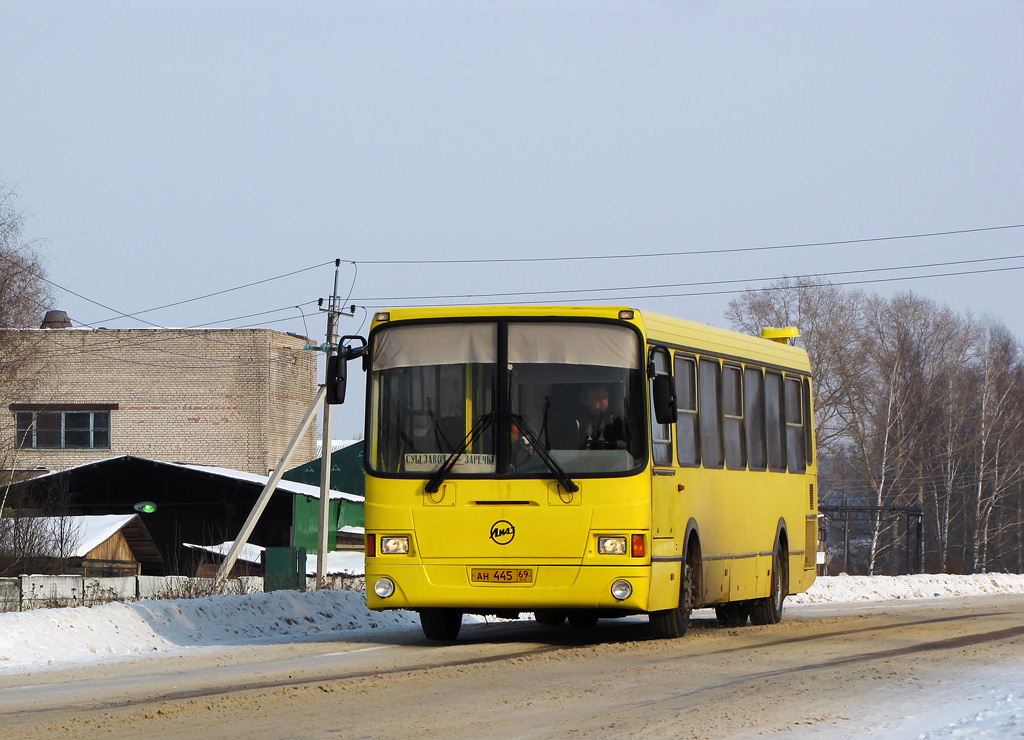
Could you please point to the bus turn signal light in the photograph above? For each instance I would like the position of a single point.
(371, 545)
(637, 546)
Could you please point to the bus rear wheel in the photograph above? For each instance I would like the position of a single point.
(441, 624)
(769, 610)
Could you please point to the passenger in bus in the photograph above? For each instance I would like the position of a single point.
(597, 426)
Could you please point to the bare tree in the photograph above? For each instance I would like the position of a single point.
(1000, 418)
(39, 535)
(24, 294)
(829, 320)
(915, 406)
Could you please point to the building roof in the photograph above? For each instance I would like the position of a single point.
(89, 532)
(299, 489)
(336, 444)
(346, 469)
(349, 562)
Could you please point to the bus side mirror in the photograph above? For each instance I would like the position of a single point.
(337, 367)
(337, 378)
(664, 398)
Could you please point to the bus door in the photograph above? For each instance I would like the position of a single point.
(666, 549)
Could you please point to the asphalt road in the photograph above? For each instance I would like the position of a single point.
(830, 671)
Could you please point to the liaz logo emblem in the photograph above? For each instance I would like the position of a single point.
(502, 532)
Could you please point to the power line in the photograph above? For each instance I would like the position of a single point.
(732, 291)
(732, 250)
(120, 342)
(136, 314)
(116, 341)
(695, 284)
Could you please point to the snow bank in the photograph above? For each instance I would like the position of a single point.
(837, 589)
(48, 637)
(54, 637)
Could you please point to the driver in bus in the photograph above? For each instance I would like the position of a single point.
(598, 427)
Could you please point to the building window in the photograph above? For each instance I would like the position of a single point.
(68, 429)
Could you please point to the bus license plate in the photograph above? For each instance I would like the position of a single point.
(501, 575)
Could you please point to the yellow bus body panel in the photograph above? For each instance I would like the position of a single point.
(737, 516)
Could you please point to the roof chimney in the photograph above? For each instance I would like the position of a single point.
(56, 320)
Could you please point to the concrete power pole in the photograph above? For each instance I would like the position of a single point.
(331, 349)
(333, 311)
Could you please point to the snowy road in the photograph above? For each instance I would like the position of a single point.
(894, 669)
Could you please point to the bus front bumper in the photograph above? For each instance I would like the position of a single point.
(417, 586)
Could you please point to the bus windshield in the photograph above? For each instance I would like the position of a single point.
(574, 389)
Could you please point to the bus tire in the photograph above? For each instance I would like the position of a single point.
(769, 609)
(546, 616)
(669, 624)
(733, 614)
(441, 624)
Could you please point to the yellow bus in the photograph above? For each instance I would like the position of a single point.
(584, 462)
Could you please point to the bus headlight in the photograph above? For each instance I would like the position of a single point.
(384, 587)
(621, 589)
(394, 545)
(611, 545)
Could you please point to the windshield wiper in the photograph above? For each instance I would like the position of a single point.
(446, 467)
(531, 436)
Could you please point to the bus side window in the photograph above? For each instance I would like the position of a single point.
(753, 399)
(687, 429)
(732, 418)
(710, 412)
(775, 422)
(808, 422)
(661, 434)
(797, 457)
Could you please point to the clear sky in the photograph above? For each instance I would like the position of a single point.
(166, 151)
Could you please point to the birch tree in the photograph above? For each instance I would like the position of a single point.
(1000, 418)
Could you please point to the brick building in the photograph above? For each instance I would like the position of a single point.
(231, 398)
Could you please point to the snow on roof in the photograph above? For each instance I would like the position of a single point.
(336, 444)
(88, 532)
(348, 562)
(301, 489)
(249, 553)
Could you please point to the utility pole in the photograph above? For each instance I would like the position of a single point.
(333, 311)
(268, 489)
(331, 350)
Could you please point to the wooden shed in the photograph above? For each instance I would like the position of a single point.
(106, 546)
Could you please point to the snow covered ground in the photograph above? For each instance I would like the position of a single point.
(59, 638)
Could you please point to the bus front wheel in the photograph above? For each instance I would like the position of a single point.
(441, 624)
(769, 610)
(669, 624)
